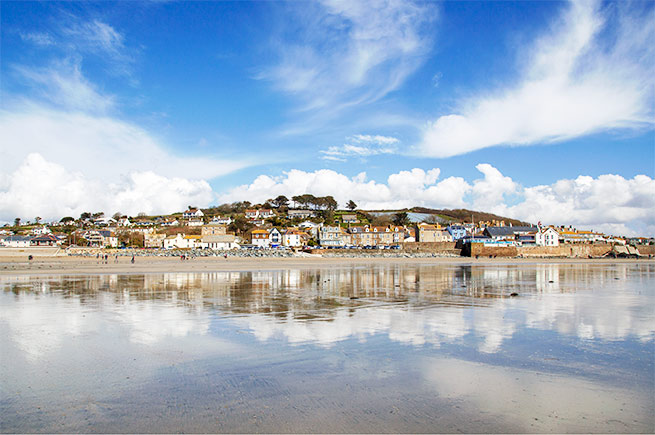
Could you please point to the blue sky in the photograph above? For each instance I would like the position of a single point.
(542, 111)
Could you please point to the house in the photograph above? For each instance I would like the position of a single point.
(174, 241)
(252, 214)
(213, 229)
(17, 241)
(266, 213)
(124, 222)
(507, 233)
(39, 231)
(310, 228)
(94, 238)
(376, 236)
(294, 237)
(259, 214)
(546, 237)
(193, 213)
(170, 223)
(349, 218)
(361, 236)
(259, 238)
(109, 238)
(195, 222)
(333, 236)
(300, 214)
(104, 221)
(432, 233)
(45, 240)
(398, 234)
(217, 220)
(457, 231)
(219, 241)
(154, 240)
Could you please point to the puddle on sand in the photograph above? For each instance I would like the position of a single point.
(397, 348)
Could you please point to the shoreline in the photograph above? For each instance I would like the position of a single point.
(14, 265)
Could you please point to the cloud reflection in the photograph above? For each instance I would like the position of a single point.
(416, 305)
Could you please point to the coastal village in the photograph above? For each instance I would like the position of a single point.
(316, 226)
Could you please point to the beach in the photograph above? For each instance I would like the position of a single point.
(57, 261)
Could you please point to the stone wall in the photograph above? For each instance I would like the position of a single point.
(568, 251)
(429, 247)
(646, 249)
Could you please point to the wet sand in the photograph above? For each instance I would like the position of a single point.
(47, 263)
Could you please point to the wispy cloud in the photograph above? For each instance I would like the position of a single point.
(351, 53)
(63, 85)
(592, 72)
(361, 146)
(38, 38)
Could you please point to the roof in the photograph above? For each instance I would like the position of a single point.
(508, 231)
(19, 238)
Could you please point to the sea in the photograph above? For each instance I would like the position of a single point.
(367, 348)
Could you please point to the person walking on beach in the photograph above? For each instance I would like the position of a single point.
(132, 259)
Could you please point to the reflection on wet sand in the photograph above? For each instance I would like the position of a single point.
(415, 305)
(404, 348)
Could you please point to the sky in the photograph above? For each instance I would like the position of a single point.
(541, 111)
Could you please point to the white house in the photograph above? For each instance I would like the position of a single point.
(293, 237)
(219, 241)
(546, 237)
(181, 241)
(195, 222)
(17, 241)
(310, 227)
(260, 238)
(40, 231)
(221, 221)
(193, 213)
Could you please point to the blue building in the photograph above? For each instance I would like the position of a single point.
(457, 231)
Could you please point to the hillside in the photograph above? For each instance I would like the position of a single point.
(464, 215)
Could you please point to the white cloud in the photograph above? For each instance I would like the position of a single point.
(608, 203)
(351, 52)
(575, 83)
(361, 146)
(46, 189)
(63, 84)
(100, 147)
(405, 189)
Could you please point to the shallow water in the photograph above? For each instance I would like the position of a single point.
(404, 348)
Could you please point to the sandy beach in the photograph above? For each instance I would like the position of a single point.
(44, 262)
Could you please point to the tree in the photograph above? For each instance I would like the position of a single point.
(17, 222)
(432, 219)
(330, 203)
(37, 220)
(240, 225)
(67, 220)
(351, 205)
(401, 219)
(117, 215)
(85, 215)
(280, 201)
(381, 220)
